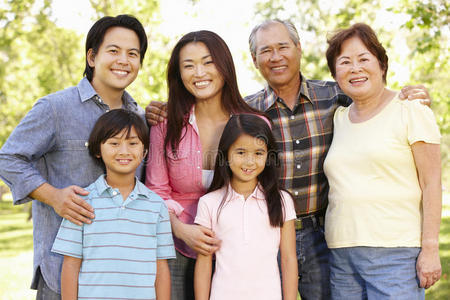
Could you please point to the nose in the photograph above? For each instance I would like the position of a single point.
(123, 148)
(356, 67)
(122, 58)
(199, 70)
(275, 55)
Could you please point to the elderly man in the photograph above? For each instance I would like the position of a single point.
(302, 114)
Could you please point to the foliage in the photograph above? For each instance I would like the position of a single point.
(415, 33)
(37, 57)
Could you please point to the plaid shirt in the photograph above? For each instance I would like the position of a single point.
(303, 136)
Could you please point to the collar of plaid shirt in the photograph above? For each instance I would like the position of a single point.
(303, 136)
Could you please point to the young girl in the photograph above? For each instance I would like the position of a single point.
(250, 215)
(123, 253)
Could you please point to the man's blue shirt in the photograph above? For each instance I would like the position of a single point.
(50, 145)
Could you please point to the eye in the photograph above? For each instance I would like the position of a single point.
(133, 54)
(345, 62)
(114, 51)
(240, 152)
(364, 59)
(113, 143)
(188, 66)
(209, 62)
(259, 153)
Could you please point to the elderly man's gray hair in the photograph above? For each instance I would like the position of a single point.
(293, 34)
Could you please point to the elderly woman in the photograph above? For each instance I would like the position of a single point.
(383, 167)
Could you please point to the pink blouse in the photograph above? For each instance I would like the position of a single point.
(178, 180)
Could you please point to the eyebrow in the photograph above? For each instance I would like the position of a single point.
(343, 57)
(267, 46)
(190, 59)
(116, 46)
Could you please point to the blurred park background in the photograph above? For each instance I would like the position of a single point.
(42, 51)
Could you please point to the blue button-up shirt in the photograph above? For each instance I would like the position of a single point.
(50, 145)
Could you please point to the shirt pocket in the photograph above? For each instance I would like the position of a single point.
(180, 164)
(80, 165)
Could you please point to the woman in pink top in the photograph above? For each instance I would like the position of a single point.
(203, 93)
(251, 215)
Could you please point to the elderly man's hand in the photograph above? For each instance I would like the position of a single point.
(156, 112)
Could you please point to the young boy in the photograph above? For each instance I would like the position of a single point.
(123, 253)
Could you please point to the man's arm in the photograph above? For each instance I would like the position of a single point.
(69, 278)
(32, 139)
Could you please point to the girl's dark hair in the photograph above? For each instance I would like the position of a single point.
(112, 123)
(97, 33)
(180, 100)
(255, 126)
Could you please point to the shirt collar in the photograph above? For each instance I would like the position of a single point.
(139, 188)
(258, 193)
(87, 92)
(271, 96)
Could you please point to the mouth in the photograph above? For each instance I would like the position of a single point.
(202, 84)
(279, 68)
(123, 161)
(247, 171)
(120, 72)
(358, 80)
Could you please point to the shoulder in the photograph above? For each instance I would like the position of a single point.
(254, 99)
(213, 197)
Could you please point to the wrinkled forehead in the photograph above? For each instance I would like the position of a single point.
(272, 34)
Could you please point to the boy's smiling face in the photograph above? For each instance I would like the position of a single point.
(122, 154)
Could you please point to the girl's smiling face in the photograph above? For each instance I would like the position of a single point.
(247, 158)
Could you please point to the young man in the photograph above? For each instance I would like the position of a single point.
(46, 157)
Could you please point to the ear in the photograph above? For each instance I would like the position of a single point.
(254, 61)
(90, 56)
(98, 156)
(299, 48)
(145, 152)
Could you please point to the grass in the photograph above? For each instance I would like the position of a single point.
(16, 254)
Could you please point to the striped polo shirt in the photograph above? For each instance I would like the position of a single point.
(120, 247)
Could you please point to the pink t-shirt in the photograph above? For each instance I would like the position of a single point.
(246, 263)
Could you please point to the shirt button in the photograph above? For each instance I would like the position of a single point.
(107, 110)
(86, 144)
(297, 142)
(296, 193)
(198, 151)
(299, 166)
(292, 117)
(198, 167)
(122, 207)
(114, 193)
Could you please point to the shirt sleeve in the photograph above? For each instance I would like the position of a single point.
(157, 174)
(30, 140)
(289, 208)
(165, 248)
(422, 126)
(69, 240)
(204, 214)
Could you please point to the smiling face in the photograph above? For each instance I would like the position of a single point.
(198, 72)
(358, 71)
(121, 154)
(117, 61)
(247, 158)
(277, 57)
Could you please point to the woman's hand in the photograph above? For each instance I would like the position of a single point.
(200, 239)
(428, 266)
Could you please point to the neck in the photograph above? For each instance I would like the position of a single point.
(211, 109)
(111, 97)
(365, 108)
(244, 188)
(125, 184)
(289, 92)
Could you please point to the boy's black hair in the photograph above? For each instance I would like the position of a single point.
(97, 33)
(112, 123)
(252, 125)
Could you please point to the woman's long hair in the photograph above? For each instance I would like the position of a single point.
(181, 100)
(255, 126)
